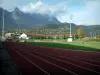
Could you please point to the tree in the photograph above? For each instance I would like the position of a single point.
(76, 36)
(80, 33)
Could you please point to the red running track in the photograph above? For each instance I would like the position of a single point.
(49, 61)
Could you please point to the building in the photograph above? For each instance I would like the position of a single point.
(23, 36)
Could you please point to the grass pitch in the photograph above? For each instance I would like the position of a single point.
(75, 45)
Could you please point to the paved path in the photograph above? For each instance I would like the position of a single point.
(7, 66)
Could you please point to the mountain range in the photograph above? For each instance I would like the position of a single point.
(18, 19)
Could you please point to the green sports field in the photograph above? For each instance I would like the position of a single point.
(75, 45)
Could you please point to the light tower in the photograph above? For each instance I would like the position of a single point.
(3, 38)
(3, 24)
(70, 38)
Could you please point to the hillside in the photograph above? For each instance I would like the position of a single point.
(19, 19)
(92, 30)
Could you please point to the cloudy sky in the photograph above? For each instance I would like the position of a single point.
(85, 12)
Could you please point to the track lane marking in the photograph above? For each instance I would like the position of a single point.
(50, 63)
(75, 64)
(68, 62)
(31, 62)
(65, 62)
(82, 61)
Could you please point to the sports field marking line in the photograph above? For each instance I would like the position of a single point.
(71, 49)
(82, 58)
(66, 58)
(49, 62)
(31, 62)
(80, 51)
(98, 57)
(80, 61)
(68, 62)
(71, 63)
(15, 66)
(65, 62)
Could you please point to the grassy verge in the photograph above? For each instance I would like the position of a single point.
(76, 45)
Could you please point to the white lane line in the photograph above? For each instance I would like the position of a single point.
(86, 58)
(72, 50)
(81, 61)
(49, 62)
(75, 51)
(31, 62)
(81, 58)
(76, 65)
(86, 62)
(70, 63)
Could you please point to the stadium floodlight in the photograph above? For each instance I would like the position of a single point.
(70, 36)
(3, 24)
(3, 38)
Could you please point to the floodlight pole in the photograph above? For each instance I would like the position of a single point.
(70, 39)
(70, 24)
(3, 24)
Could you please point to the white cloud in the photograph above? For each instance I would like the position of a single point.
(42, 8)
(0, 1)
(89, 14)
(9, 4)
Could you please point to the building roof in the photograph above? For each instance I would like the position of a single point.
(49, 34)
